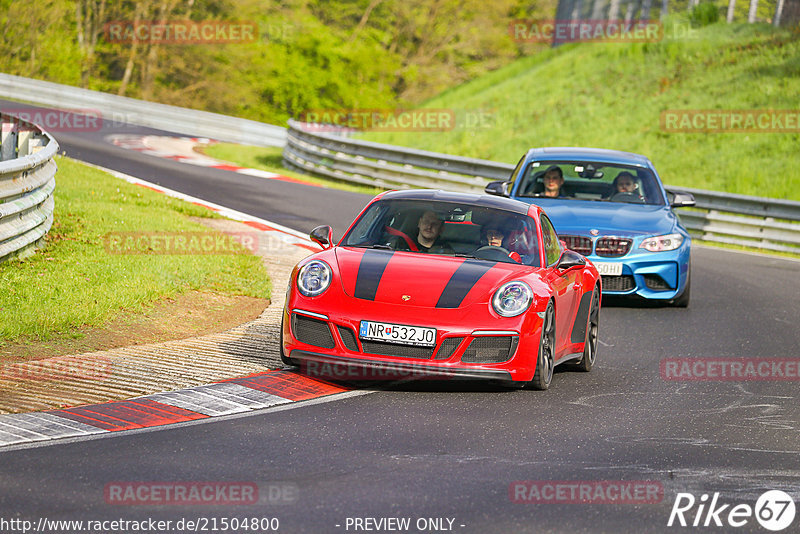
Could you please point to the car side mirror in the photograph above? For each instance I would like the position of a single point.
(498, 188)
(681, 200)
(570, 259)
(322, 235)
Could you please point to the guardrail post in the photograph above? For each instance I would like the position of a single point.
(27, 182)
(8, 141)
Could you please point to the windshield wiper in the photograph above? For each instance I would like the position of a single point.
(379, 246)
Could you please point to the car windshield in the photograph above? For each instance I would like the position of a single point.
(447, 228)
(589, 181)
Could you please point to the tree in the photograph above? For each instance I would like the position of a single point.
(751, 16)
(90, 16)
(731, 7)
(776, 20)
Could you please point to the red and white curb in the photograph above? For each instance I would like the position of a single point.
(283, 233)
(234, 396)
(181, 149)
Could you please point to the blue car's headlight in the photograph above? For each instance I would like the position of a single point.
(314, 278)
(512, 299)
(661, 243)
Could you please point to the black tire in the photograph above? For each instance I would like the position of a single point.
(545, 362)
(590, 343)
(683, 300)
(284, 359)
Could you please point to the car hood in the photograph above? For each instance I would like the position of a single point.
(418, 279)
(610, 218)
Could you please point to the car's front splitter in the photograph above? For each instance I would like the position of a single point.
(340, 368)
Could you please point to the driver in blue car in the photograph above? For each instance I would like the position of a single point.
(625, 189)
(624, 183)
(553, 179)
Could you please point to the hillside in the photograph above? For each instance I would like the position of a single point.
(612, 95)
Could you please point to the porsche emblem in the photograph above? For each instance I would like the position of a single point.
(406, 297)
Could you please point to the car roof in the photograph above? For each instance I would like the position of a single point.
(482, 200)
(600, 155)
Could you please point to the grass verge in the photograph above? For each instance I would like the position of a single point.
(612, 95)
(74, 282)
(270, 159)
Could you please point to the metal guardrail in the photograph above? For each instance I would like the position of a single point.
(758, 222)
(121, 109)
(27, 182)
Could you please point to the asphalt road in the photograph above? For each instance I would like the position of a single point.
(453, 450)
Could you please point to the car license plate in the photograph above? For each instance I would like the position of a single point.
(397, 333)
(608, 269)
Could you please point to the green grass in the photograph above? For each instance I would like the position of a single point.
(611, 95)
(73, 281)
(270, 159)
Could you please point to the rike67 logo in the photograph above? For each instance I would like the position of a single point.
(774, 510)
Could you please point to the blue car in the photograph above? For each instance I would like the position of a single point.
(611, 207)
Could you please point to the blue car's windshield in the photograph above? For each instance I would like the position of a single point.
(588, 181)
(447, 228)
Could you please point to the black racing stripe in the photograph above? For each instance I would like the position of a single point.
(466, 276)
(370, 272)
(578, 334)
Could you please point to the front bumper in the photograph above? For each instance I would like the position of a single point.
(330, 342)
(650, 275)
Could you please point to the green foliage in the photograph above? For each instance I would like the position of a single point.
(612, 96)
(308, 55)
(704, 13)
(75, 281)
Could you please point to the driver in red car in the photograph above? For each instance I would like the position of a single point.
(429, 230)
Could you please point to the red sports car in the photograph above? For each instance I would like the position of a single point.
(431, 283)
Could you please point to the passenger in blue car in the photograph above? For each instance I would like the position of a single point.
(553, 179)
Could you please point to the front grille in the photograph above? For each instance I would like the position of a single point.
(490, 349)
(348, 338)
(612, 247)
(618, 283)
(448, 347)
(312, 331)
(580, 244)
(656, 283)
(393, 349)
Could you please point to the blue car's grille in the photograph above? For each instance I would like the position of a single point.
(580, 244)
(612, 247)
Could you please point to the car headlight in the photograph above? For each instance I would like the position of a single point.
(314, 278)
(661, 243)
(512, 299)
